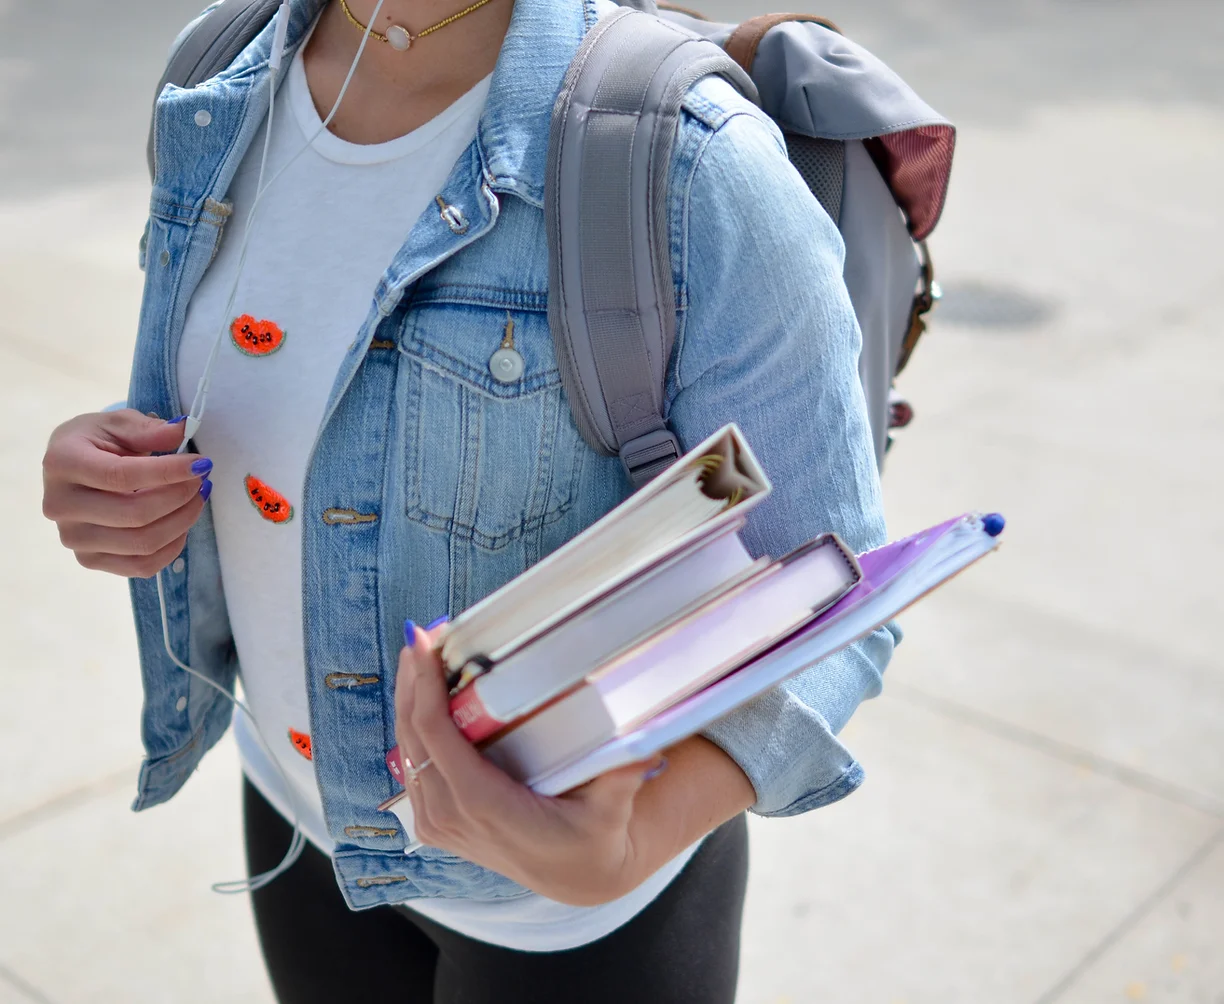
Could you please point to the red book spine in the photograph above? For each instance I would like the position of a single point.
(470, 715)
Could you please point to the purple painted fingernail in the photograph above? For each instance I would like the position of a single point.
(201, 467)
(436, 622)
(656, 770)
(175, 421)
(205, 489)
(409, 633)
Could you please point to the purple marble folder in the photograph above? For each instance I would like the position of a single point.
(894, 576)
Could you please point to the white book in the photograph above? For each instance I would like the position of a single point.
(714, 484)
(684, 656)
(560, 659)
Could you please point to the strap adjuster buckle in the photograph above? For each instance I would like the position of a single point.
(645, 457)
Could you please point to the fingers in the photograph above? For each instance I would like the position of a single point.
(430, 722)
(80, 461)
(435, 628)
(110, 452)
(428, 792)
(130, 566)
(144, 540)
(79, 504)
(135, 433)
(460, 796)
(412, 750)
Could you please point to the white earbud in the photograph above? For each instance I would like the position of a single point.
(278, 37)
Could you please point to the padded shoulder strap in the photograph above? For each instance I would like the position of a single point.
(210, 45)
(611, 302)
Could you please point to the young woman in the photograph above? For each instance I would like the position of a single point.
(361, 463)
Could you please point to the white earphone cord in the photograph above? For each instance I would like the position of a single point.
(196, 414)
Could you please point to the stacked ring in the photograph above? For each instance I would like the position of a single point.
(412, 773)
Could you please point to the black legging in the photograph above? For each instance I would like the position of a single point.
(684, 947)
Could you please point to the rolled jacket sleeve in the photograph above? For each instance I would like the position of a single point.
(767, 338)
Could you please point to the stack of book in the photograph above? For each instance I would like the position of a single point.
(656, 621)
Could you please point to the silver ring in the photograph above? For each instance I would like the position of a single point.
(412, 772)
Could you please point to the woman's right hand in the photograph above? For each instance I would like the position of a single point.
(118, 508)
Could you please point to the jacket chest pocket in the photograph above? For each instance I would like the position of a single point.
(491, 453)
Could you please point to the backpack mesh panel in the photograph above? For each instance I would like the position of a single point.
(822, 164)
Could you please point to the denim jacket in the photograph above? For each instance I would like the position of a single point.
(465, 480)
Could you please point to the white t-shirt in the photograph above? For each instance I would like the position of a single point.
(325, 233)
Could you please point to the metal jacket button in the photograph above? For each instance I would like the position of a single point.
(203, 117)
(452, 216)
(506, 365)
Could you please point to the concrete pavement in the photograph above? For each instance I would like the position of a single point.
(1043, 821)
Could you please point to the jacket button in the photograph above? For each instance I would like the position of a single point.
(452, 216)
(178, 566)
(180, 704)
(203, 117)
(506, 365)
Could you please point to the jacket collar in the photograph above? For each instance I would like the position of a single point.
(542, 39)
(513, 132)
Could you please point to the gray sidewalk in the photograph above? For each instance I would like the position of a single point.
(1043, 819)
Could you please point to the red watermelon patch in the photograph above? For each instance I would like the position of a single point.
(272, 505)
(301, 743)
(256, 338)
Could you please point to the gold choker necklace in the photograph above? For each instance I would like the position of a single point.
(401, 38)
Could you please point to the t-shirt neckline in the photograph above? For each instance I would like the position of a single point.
(330, 146)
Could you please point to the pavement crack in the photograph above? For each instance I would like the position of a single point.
(1131, 920)
(64, 802)
(1057, 749)
(34, 995)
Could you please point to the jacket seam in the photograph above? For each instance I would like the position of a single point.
(167, 760)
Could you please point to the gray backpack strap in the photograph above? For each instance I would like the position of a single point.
(210, 44)
(611, 302)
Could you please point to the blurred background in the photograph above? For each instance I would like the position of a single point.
(1043, 819)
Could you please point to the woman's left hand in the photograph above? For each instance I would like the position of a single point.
(588, 846)
(577, 848)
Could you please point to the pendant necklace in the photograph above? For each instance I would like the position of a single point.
(399, 37)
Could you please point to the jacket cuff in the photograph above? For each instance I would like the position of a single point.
(788, 752)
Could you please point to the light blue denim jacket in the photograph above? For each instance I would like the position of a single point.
(470, 480)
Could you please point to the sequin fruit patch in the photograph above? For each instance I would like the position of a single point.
(301, 743)
(256, 338)
(272, 505)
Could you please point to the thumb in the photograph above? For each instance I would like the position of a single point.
(130, 431)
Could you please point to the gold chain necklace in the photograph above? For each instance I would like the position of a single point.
(401, 38)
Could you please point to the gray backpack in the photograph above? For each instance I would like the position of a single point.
(876, 156)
